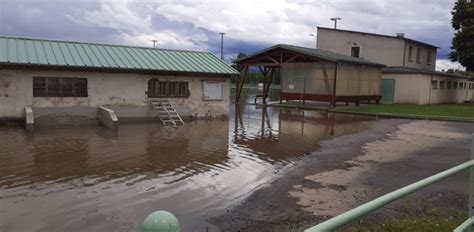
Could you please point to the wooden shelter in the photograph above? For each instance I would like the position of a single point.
(314, 75)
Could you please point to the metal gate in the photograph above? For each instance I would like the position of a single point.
(388, 90)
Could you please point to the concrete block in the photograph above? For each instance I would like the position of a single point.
(107, 117)
(29, 119)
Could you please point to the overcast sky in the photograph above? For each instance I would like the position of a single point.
(249, 25)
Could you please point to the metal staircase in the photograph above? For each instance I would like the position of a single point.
(166, 112)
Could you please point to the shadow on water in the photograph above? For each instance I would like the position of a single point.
(103, 180)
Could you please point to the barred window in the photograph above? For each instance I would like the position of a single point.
(173, 89)
(434, 84)
(59, 87)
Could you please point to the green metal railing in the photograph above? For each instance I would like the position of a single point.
(370, 206)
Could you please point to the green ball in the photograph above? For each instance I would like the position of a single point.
(160, 221)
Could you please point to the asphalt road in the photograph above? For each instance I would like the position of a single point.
(350, 170)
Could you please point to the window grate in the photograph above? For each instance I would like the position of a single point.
(59, 87)
(171, 89)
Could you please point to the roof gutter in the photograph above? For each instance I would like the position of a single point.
(113, 70)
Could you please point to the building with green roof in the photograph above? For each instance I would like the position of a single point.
(74, 77)
(309, 74)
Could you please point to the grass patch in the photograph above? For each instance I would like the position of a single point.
(433, 221)
(443, 110)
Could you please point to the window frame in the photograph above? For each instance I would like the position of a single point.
(418, 55)
(410, 53)
(442, 84)
(428, 57)
(353, 53)
(42, 86)
(434, 84)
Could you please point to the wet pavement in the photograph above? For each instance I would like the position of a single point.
(95, 179)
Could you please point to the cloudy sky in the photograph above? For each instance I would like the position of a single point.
(249, 25)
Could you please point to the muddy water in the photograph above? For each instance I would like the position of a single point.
(95, 179)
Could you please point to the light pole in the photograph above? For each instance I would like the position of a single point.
(154, 42)
(222, 45)
(335, 21)
(315, 40)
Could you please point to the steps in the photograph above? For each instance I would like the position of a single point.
(166, 112)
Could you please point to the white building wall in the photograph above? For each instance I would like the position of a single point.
(380, 49)
(452, 95)
(390, 51)
(104, 89)
(417, 89)
(423, 63)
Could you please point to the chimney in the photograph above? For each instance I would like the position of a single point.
(400, 35)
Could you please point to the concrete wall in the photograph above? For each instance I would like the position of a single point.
(107, 117)
(390, 51)
(380, 49)
(104, 89)
(417, 89)
(450, 95)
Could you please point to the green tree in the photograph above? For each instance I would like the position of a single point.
(463, 41)
(241, 55)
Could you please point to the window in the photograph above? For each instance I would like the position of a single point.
(418, 55)
(410, 53)
(434, 84)
(441, 84)
(455, 85)
(174, 89)
(59, 87)
(448, 85)
(355, 51)
(428, 58)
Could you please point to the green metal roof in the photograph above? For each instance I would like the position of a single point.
(317, 53)
(52, 53)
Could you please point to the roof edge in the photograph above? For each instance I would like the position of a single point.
(382, 35)
(298, 49)
(101, 44)
(405, 70)
(99, 69)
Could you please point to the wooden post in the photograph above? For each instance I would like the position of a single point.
(268, 81)
(240, 83)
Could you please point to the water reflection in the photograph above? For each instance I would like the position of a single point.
(285, 134)
(62, 154)
(104, 180)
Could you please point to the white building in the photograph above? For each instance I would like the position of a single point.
(411, 66)
(60, 78)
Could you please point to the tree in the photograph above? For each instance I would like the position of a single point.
(463, 41)
(241, 55)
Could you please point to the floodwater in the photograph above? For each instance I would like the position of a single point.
(96, 179)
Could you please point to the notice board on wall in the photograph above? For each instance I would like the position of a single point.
(212, 90)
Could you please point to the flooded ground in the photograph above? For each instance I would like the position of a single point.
(95, 179)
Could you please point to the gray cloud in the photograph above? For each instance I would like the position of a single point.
(249, 25)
